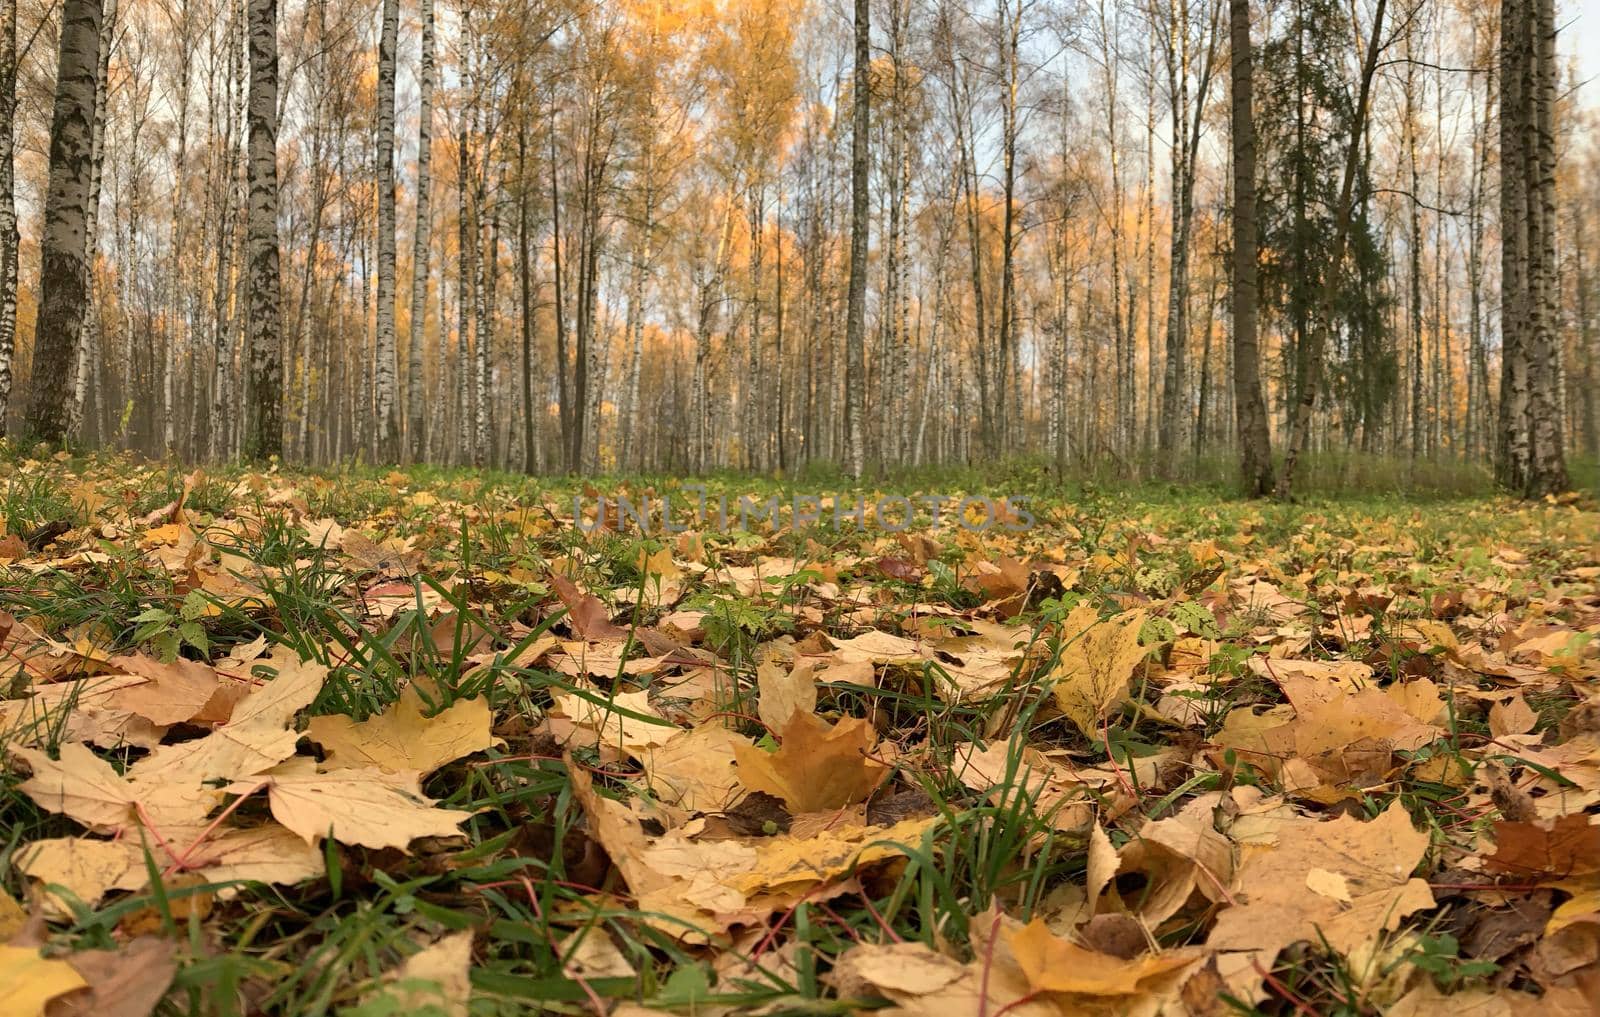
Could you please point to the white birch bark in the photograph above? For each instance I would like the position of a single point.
(384, 353)
(62, 297)
(8, 206)
(416, 420)
(264, 323)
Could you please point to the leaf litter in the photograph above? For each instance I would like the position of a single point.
(383, 743)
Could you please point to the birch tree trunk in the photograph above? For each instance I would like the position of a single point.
(416, 419)
(1008, 398)
(635, 319)
(8, 206)
(63, 296)
(384, 354)
(488, 266)
(466, 247)
(1547, 469)
(89, 331)
(855, 375)
(178, 330)
(265, 326)
(530, 454)
(1513, 453)
(711, 297)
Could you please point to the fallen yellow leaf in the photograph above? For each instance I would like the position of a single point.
(402, 737)
(818, 765)
(1097, 660)
(29, 980)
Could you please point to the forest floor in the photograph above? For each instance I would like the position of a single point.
(423, 743)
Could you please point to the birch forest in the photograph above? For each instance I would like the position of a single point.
(1159, 237)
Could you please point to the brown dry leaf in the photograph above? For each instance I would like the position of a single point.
(126, 982)
(1098, 659)
(818, 765)
(393, 558)
(1343, 736)
(695, 769)
(402, 737)
(1512, 716)
(711, 885)
(923, 983)
(171, 693)
(91, 868)
(1103, 862)
(616, 830)
(1349, 675)
(1179, 856)
(1427, 1001)
(258, 736)
(435, 979)
(78, 711)
(895, 970)
(1276, 903)
(169, 787)
(586, 615)
(1052, 964)
(614, 727)
(590, 953)
(29, 980)
(79, 785)
(785, 692)
(372, 808)
(974, 665)
(1568, 846)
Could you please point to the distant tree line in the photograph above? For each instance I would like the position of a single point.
(553, 235)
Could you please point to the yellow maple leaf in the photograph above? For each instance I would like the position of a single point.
(1052, 964)
(402, 738)
(1097, 660)
(819, 765)
(368, 807)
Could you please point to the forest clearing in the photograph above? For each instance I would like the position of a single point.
(370, 743)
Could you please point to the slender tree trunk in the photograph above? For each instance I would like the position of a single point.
(1547, 468)
(89, 332)
(63, 296)
(856, 324)
(1414, 241)
(1513, 451)
(635, 320)
(1010, 407)
(8, 207)
(416, 417)
(1477, 366)
(488, 275)
(980, 305)
(563, 386)
(466, 248)
(387, 424)
(1250, 405)
(1588, 335)
(265, 325)
(711, 297)
(525, 279)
